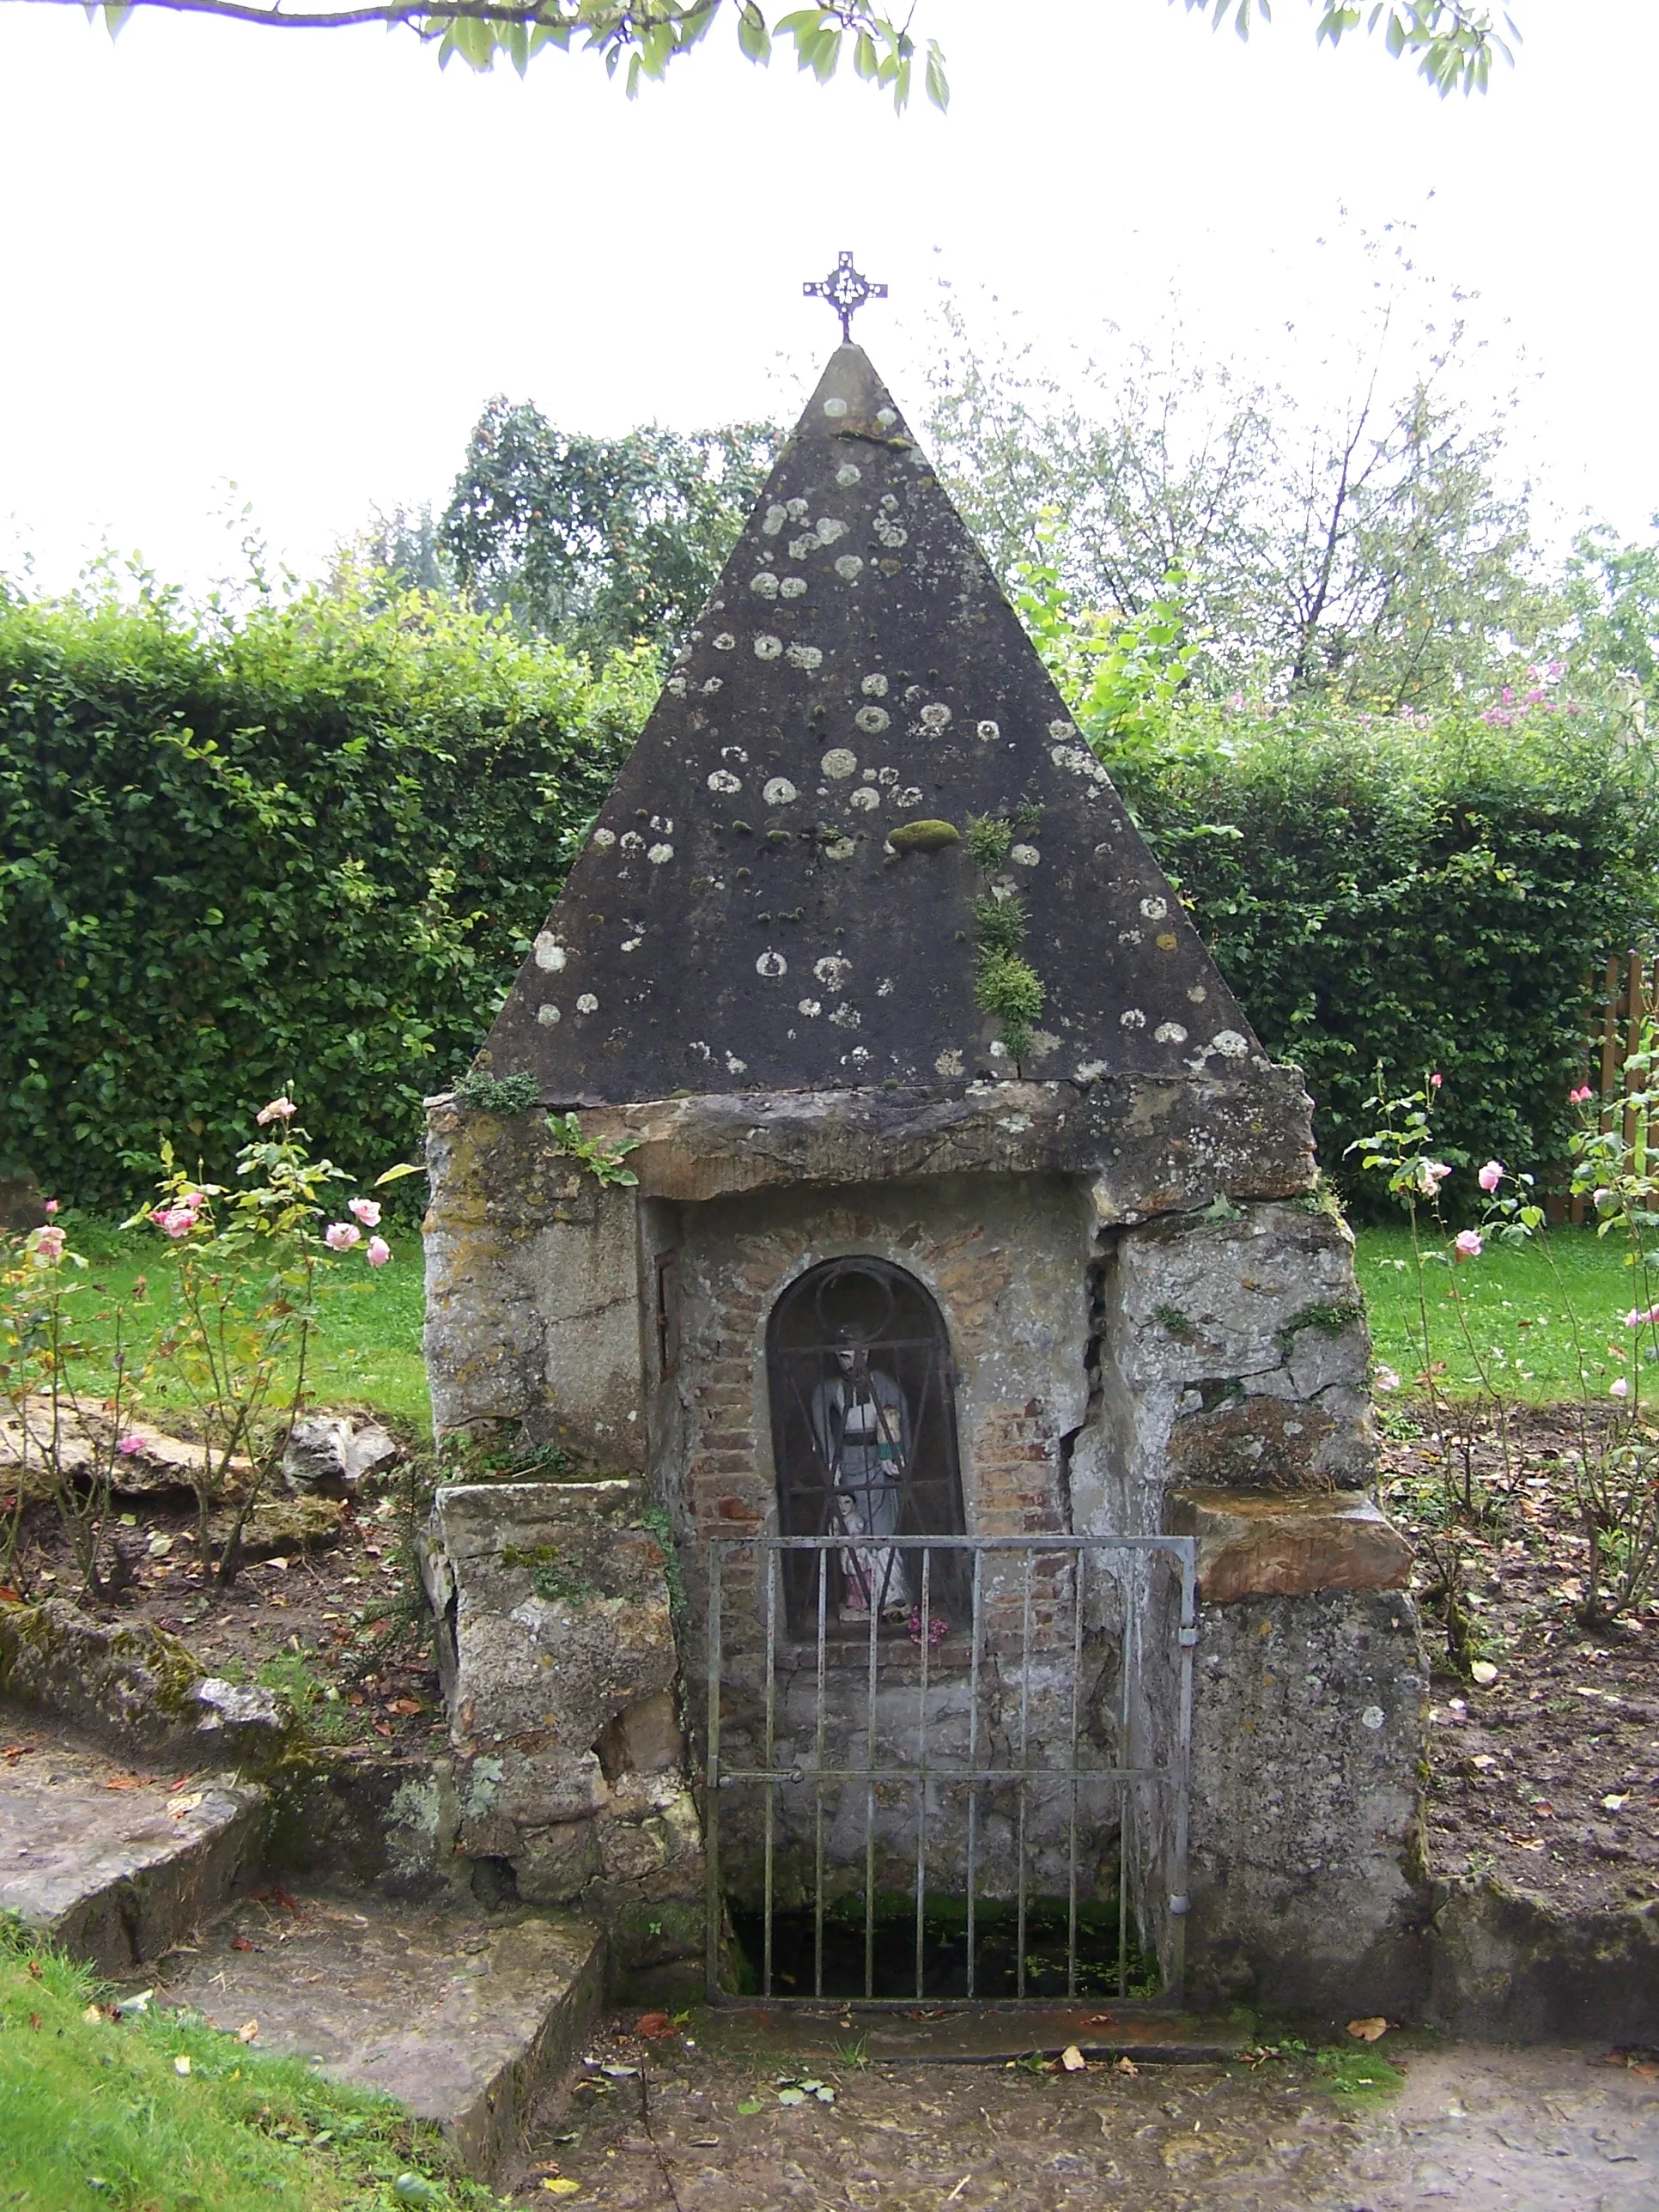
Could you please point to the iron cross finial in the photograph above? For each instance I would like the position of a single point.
(846, 291)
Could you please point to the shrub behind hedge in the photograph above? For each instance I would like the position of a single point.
(304, 853)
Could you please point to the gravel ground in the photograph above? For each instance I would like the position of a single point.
(1485, 2130)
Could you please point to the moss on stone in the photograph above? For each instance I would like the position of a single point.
(924, 836)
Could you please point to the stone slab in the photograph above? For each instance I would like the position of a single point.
(1155, 1143)
(1253, 1544)
(1511, 1964)
(117, 1865)
(133, 1687)
(465, 2019)
(972, 2034)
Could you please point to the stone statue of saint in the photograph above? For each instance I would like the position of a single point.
(862, 1425)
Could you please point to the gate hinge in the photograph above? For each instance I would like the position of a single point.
(1188, 1637)
(1178, 1907)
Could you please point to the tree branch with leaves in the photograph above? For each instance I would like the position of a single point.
(1454, 42)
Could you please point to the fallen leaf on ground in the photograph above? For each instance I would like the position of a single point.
(1616, 1803)
(562, 2186)
(93, 2015)
(247, 2031)
(405, 1705)
(1073, 2059)
(122, 1782)
(1483, 1674)
(177, 1806)
(654, 2026)
(1367, 2030)
(241, 1943)
(181, 2063)
(1126, 2066)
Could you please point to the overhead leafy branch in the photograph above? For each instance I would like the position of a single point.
(1453, 40)
(645, 35)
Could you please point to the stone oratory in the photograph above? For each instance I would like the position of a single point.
(967, 1206)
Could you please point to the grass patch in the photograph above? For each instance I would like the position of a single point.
(1518, 1306)
(371, 1340)
(94, 2110)
(1360, 2078)
(370, 1348)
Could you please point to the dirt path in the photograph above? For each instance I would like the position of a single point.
(1527, 2131)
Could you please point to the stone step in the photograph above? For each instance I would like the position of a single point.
(117, 1864)
(465, 2019)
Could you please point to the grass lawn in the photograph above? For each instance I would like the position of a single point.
(157, 2109)
(1516, 1296)
(371, 1347)
(1516, 1300)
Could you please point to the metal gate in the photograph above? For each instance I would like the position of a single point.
(1006, 1715)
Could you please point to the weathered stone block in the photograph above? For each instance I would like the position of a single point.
(1252, 1544)
(1231, 1298)
(555, 1598)
(558, 1657)
(1306, 1884)
(533, 1291)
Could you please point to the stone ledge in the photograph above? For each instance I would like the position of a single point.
(1254, 1544)
(1152, 1144)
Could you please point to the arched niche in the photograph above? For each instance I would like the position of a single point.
(863, 1440)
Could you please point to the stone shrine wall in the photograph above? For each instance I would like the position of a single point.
(1154, 1328)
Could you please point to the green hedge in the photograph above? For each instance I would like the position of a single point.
(304, 852)
(1432, 895)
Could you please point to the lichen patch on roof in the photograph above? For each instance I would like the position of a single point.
(786, 889)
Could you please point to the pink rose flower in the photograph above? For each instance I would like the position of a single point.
(178, 1221)
(128, 1445)
(49, 1244)
(1467, 1244)
(51, 1206)
(279, 1110)
(1635, 1317)
(1619, 1389)
(377, 1252)
(366, 1210)
(1430, 1174)
(1385, 1378)
(341, 1236)
(1435, 1082)
(1490, 1177)
(1578, 1097)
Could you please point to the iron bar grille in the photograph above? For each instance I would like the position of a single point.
(987, 1756)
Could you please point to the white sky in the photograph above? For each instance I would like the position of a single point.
(303, 261)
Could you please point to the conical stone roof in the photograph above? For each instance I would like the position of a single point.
(781, 891)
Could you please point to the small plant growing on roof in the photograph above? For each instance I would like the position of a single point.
(605, 1161)
(1006, 985)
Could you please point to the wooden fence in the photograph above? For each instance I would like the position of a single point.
(1621, 1002)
